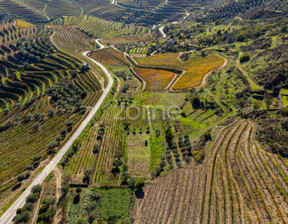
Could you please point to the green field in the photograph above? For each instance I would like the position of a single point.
(113, 204)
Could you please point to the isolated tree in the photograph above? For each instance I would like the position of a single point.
(21, 177)
(96, 148)
(86, 178)
(69, 123)
(169, 134)
(36, 189)
(32, 198)
(244, 58)
(196, 103)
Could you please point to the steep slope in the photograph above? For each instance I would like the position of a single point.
(237, 183)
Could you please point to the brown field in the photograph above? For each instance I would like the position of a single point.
(195, 68)
(238, 182)
(110, 57)
(156, 79)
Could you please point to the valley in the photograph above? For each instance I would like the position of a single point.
(143, 111)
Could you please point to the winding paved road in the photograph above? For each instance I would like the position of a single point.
(8, 216)
(161, 29)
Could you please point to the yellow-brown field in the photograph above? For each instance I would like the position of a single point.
(155, 78)
(23, 24)
(110, 56)
(195, 68)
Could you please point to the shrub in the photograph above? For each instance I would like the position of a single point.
(6, 111)
(29, 167)
(19, 211)
(49, 201)
(79, 190)
(50, 213)
(21, 177)
(43, 209)
(284, 123)
(59, 138)
(36, 189)
(69, 123)
(200, 156)
(36, 158)
(36, 126)
(284, 29)
(139, 184)
(91, 218)
(28, 207)
(53, 145)
(207, 136)
(22, 218)
(285, 111)
(196, 103)
(32, 198)
(244, 58)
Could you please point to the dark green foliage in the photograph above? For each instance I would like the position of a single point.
(66, 97)
(125, 88)
(32, 198)
(43, 209)
(273, 133)
(37, 158)
(23, 217)
(285, 111)
(96, 148)
(169, 134)
(75, 148)
(87, 175)
(284, 29)
(244, 58)
(47, 214)
(207, 136)
(284, 123)
(36, 189)
(196, 103)
(117, 163)
(21, 177)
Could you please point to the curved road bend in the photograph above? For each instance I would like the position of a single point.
(161, 29)
(101, 45)
(8, 216)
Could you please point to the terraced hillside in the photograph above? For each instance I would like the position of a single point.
(228, 9)
(96, 27)
(238, 182)
(44, 95)
(72, 40)
(40, 11)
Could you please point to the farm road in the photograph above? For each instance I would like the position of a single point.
(8, 216)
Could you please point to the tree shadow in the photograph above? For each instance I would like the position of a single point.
(76, 199)
(139, 194)
(16, 187)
